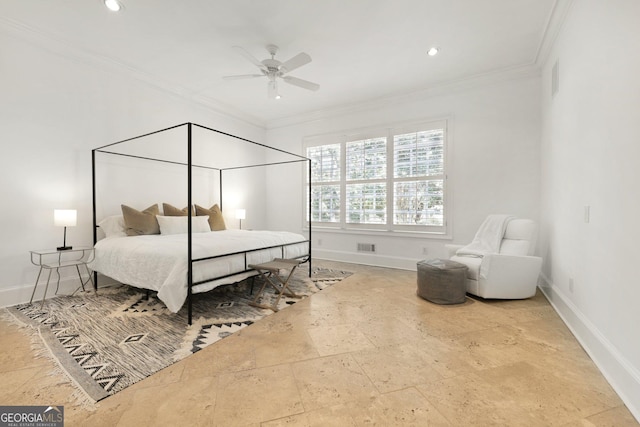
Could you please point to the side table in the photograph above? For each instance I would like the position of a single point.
(53, 259)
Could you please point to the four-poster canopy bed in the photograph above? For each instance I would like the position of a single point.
(158, 261)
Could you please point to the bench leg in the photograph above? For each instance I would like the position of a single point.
(254, 302)
(280, 285)
(253, 281)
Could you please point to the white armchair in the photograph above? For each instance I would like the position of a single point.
(512, 272)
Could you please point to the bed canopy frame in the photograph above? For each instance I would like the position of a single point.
(181, 145)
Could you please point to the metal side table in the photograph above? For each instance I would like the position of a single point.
(53, 259)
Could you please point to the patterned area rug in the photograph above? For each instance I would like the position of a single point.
(109, 341)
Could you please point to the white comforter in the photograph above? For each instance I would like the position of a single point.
(159, 262)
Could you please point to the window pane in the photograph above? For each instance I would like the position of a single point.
(325, 162)
(367, 159)
(325, 203)
(419, 203)
(419, 154)
(366, 203)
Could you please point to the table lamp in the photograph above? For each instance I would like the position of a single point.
(241, 214)
(64, 218)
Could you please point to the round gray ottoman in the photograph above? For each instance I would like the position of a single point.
(442, 281)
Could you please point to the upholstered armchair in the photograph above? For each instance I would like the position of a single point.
(509, 270)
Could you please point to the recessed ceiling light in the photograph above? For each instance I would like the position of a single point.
(433, 51)
(113, 5)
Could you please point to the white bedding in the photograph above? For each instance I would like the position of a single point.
(159, 262)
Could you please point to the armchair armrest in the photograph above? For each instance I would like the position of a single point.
(452, 249)
(510, 276)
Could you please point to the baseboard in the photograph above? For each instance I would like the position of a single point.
(22, 294)
(619, 372)
(366, 259)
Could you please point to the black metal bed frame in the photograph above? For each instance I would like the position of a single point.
(189, 164)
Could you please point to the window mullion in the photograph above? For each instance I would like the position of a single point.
(390, 178)
(343, 184)
(420, 178)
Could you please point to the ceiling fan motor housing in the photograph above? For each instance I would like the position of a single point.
(273, 65)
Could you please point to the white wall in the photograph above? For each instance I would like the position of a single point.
(494, 134)
(55, 108)
(590, 157)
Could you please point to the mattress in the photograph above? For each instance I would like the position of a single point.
(159, 262)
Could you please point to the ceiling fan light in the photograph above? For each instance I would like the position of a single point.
(433, 51)
(272, 89)
(113, 5)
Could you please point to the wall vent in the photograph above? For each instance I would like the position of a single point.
(555, 79)
(366, 247)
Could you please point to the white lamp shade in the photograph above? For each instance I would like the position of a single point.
(65, 217)
(113, 5)
(241, 213)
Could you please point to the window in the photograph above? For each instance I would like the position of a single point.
(392, 179)
(366, 189)
(325, 176)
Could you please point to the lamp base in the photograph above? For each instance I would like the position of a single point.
(64, 248)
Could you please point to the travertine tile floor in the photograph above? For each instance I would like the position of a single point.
(366, 351)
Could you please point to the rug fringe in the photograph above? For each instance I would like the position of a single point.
(9, 317)
(42, 351)
(37, 346)
(80, 397)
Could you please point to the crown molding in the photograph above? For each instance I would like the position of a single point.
(554, 25)
(447, 87)
(62, 48)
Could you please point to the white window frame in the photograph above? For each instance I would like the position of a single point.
(388, 132)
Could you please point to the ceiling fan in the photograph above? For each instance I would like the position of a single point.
(274, 70)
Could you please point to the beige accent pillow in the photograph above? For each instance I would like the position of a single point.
(216, 221)
(170, 210)
(140, 223)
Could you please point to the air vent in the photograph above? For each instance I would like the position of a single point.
(366, 247)
(555, 79)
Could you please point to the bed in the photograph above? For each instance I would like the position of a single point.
(159, 262)
(179, 264)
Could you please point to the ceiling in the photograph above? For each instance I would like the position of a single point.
(362, 50)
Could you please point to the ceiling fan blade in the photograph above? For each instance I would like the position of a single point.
(297, 61)
(301, 83)
(242, 76)
(250, 57)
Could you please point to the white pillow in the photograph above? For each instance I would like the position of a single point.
(113, 226)
(178, 224)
